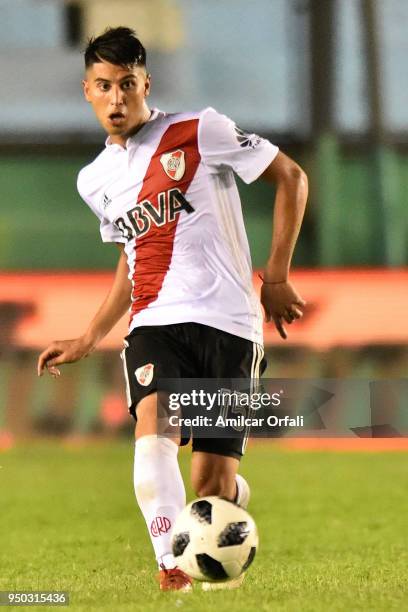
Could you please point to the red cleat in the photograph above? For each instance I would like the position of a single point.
(174, 580)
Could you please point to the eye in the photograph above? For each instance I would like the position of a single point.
(128, 85)
(104, 86)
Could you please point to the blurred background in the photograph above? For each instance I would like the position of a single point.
(326, 80)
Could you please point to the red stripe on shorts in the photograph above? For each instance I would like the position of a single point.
(154, 249)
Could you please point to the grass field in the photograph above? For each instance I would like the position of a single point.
(333, 531)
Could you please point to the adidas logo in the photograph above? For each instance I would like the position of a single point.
(106, 201)
(247, 140)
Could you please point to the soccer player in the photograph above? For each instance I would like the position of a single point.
(164, 191)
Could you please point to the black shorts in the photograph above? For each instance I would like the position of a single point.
(189, 350)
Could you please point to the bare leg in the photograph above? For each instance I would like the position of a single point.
(213, 474)
(147, 423)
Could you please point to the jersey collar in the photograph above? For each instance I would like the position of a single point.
(155, 112)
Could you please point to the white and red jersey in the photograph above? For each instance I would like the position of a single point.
(171, 197)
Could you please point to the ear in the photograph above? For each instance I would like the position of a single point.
(85, 87)
(147, 85)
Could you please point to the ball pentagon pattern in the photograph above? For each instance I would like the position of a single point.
(214, 539)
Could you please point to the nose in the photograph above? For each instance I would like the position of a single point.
(117, 96)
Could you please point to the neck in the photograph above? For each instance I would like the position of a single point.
(121, 139)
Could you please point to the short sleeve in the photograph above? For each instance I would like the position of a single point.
(224, 145)
(108, 231)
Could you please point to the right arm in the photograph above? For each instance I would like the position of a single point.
(111, 311)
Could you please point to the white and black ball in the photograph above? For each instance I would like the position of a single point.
(214, 539)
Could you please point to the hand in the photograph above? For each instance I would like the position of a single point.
(281, 302)
(62, 351)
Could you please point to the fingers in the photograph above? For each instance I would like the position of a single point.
(288, 317)
(51, 366)
(297, 313)
(53, 371)
(42, 360)
(282, 304)
(61, 358)
(292, 313)
(49, 359)
(279, 326)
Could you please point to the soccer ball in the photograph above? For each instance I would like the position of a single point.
(214, 539)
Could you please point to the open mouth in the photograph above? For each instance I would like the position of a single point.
(116, 117)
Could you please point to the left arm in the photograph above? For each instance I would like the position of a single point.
(278, 296)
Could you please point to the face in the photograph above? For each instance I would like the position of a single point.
(118, 97)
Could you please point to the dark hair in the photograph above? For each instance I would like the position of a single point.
(119, 46)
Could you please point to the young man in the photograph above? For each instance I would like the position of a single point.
(164, 191)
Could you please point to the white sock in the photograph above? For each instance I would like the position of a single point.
(159, 490)
(243, 493)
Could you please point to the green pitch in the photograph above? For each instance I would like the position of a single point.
(333, 531)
